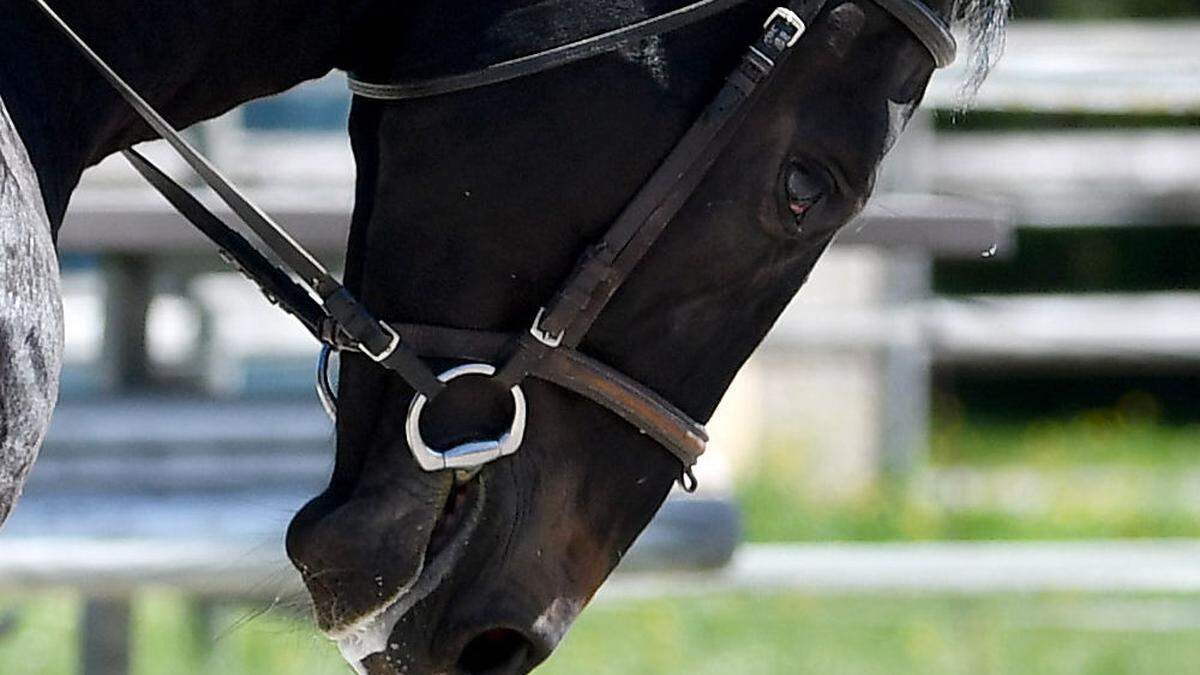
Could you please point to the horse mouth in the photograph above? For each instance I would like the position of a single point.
(448, 539)
(459, 506)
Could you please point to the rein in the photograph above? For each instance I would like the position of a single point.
(549, 349)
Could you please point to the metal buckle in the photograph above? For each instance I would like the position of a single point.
(388, 351)
(792, 18)
(467, 455)
(545, 337)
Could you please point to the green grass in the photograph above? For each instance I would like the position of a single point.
(40, 639)
(168, 639)
(1107, 436)
(782, 633)
(1103, 474)
(790, 633)
(775, 512)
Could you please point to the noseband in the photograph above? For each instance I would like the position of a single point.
(549, 349)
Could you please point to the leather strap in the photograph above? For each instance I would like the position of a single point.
(606, 265)
(278, 287)
(274, 235)
(344, 314)
(930, 29)
(545, 60)
(635, 403)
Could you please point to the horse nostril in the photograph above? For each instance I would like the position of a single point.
(498, 651)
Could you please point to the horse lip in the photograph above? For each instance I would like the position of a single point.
(371, 633)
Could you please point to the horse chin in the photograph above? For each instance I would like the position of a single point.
(369, 634)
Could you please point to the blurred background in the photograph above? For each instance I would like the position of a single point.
(972, 445)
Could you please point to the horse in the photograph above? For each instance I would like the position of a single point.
(465, 221)
(487, 190)
(193, 60)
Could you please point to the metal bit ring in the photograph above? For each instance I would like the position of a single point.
(467, 455)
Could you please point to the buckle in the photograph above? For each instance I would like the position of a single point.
(547, 338)
(793, 19)
(388, 351)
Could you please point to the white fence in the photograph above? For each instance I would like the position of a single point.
(1088, 66)
(109, 568)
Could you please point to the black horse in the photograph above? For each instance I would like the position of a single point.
(471, 209)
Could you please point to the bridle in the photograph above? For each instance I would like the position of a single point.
(549, 350)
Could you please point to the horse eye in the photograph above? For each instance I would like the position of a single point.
(803, 188)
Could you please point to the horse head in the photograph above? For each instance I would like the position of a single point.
(473, 208)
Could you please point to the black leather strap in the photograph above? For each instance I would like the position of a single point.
(930, 29)
(278, 287)
(338, 319)
(316, 290)
(606, 265)
(545, 60)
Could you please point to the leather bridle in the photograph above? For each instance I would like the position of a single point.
(549, 349)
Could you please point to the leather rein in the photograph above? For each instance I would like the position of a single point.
(549, 349)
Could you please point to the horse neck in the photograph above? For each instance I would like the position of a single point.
(192, 59)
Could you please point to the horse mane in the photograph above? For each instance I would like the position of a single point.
(985, 22)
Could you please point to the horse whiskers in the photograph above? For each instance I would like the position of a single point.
(242, 621)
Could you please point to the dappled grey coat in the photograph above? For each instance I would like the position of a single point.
(31, 336)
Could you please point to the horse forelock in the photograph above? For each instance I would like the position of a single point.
(985, 22)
